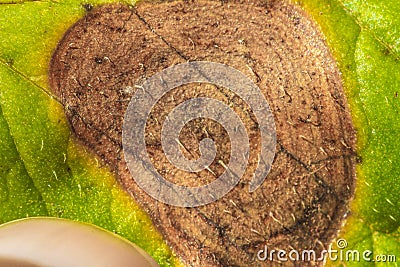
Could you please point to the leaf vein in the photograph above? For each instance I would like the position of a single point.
(40, 196)
(23, 76)
(370, 31)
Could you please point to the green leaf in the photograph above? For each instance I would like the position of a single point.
(364, 38)
(378, 73)
(43, 169)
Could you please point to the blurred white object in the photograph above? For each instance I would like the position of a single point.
(57, 242)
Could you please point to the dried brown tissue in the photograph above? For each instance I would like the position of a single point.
(303, 201)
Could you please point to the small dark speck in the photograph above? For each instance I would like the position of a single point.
(87, 7)
(396, 94)
(98, 60)
(296, 21)
(386, 52)
(10, 61)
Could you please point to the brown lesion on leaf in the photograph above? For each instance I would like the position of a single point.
(104, 58)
